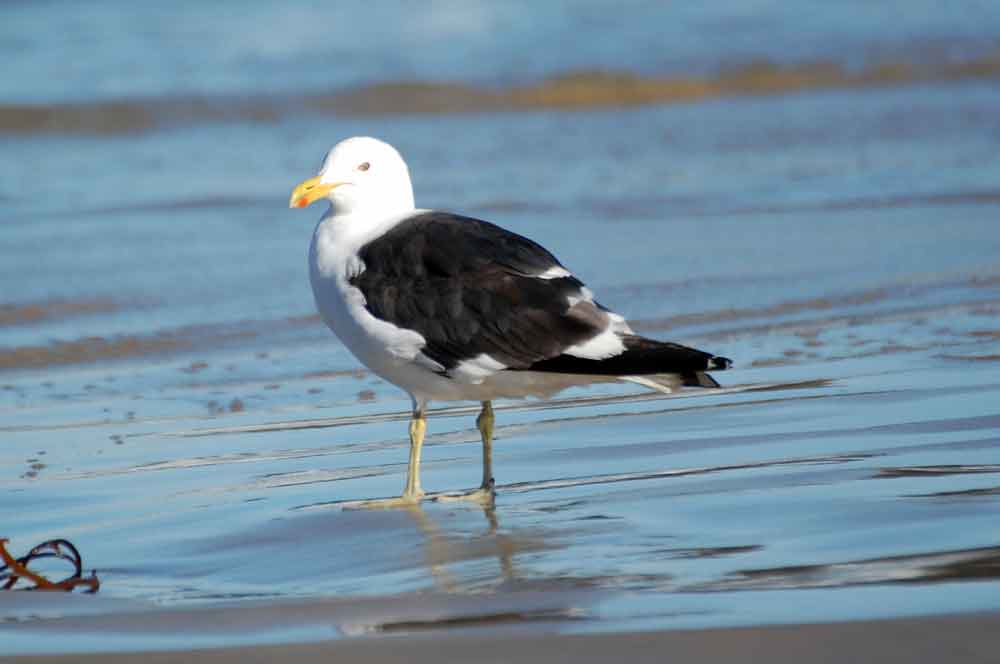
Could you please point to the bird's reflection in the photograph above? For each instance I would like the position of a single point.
(443, 548)
(451, 535)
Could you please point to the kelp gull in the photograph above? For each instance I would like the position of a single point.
(452, 308)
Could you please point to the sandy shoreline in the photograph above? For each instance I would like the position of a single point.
(972, 638)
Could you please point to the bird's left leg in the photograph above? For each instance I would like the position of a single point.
(485, 425)
(484, 494)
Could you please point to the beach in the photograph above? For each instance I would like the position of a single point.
(812, 194)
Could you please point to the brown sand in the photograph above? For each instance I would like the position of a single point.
(26, 313)
(92, 349)
(958, 639)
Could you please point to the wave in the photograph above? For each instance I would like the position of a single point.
(803, 317)
(575, 90)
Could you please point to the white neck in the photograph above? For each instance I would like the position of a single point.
(339, 236)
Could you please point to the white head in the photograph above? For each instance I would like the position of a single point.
(360, 175)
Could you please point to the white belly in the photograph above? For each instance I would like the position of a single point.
(393, 353)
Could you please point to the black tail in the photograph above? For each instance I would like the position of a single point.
(644, 357)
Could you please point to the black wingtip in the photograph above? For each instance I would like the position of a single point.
(718, 363)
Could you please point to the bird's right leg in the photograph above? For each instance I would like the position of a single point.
(412, 492)
(418, 427)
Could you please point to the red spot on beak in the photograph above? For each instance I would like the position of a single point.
(302, 202)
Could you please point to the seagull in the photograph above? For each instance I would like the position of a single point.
(452, 308)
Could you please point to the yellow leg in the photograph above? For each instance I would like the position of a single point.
(412, 492)
(485, 424)
(484, 494)
(418, 427)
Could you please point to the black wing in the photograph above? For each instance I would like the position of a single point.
(470, 287)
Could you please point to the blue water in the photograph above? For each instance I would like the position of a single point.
(62, 50)
(169, 402)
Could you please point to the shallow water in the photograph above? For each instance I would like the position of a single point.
(170, 402)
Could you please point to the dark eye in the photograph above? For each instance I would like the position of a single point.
(364, 166)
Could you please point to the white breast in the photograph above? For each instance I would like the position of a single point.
(390, 351)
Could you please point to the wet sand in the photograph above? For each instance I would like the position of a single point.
(960, 639)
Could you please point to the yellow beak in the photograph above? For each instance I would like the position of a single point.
(310, 191)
